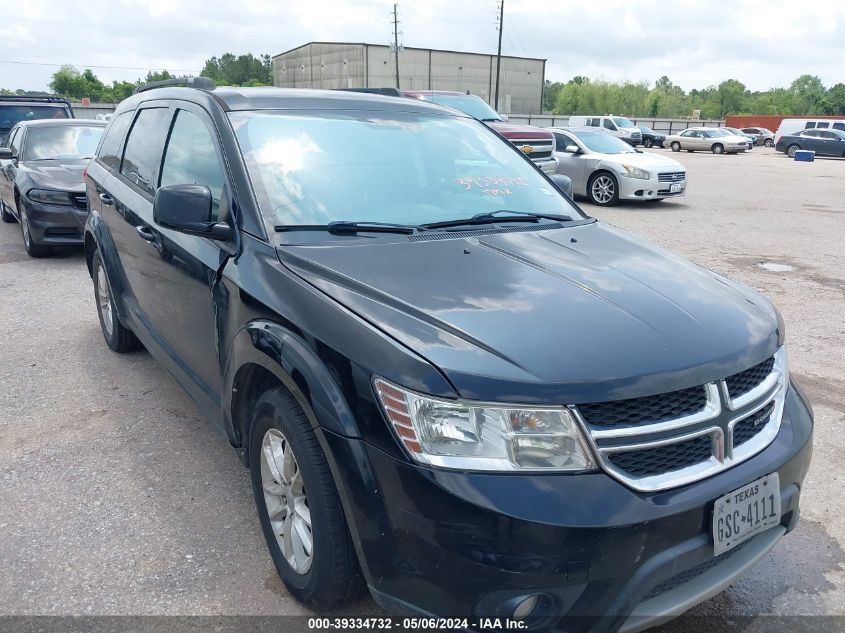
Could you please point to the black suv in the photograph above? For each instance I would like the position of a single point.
(447, 381)
(14, 109)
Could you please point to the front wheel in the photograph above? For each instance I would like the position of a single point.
(676, 147)
(768, 142)
(7, 217)
(299, 506)
(32, 249)
(790, 151)
(119, 338)
(718, 148)
(603, 189)
(648, 142)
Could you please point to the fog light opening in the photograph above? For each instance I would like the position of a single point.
(526, 607)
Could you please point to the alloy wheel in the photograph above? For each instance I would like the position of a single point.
(104, 299)
(790, 151)
(27, 237)
(603, 189)
(286, 501)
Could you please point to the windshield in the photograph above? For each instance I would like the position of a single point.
(61, 142)
(11, 115)
(604, 143)
(472, 105)
(714, 133)
(405, 168)
(621, 121)
(645, 130)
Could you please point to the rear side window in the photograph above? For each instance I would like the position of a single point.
(191, 158)
(809, 125)
(143, 147)
(609, 125)
(107, 153)
(839, 126)
(823, 124)
(14, 141)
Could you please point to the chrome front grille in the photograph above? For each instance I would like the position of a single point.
(672, 176)
(537, 148)
(672, 439)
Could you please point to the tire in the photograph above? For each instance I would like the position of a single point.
(330, 577)
(32, 249)
(7, 217)
(603, 189)
(768, 142)
(790, 151)
(676, 147)
(647, 143)
(718, 148)
(118, 337)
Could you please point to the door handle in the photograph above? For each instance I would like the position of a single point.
(106, 199)
(146, 233)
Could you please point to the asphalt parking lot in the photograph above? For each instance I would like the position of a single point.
(117, 498)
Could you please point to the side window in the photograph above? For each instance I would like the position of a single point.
(824, 124)
(608, 124)
(595, 122)
(109, 146)
(561, 141)
(809, 125)
(191, 158)
(14, 139)
(829, 135)
(839, 126)
(143, 147)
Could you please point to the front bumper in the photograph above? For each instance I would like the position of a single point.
(547, 165)
(603, 556)
(648, 189)
(55, 225)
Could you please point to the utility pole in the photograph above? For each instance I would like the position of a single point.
(396, 41)
(499, 52)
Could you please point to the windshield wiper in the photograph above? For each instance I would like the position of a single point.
(342, 227)
(490, 218)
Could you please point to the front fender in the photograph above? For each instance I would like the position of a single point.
(98, 237)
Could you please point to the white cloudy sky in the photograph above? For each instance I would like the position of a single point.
(763, 43)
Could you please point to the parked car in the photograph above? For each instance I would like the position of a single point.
(790, 126)
(822, 142)
(650, 137)
(617, 126)
(606, 169)
(764, 136)
(706, 139)
(367, 296)
(534, 142)
(41, 182)
(732, 131)
(13, 110)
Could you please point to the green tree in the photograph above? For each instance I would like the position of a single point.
(836, 99)
(231, 70)
(811, 94)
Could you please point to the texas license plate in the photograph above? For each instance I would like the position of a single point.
(745, 512)
(675, 187)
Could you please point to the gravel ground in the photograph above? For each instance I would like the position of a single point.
(118, 499)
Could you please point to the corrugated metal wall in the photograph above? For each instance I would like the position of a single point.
(331, 65)
(664, 126)
(772, 121)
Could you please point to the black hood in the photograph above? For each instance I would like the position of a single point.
(62, 175)
(563, 315)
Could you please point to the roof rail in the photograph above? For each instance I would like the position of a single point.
(200, 83)
(387, 92)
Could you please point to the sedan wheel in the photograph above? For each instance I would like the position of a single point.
(768, 142)
(286, 501)
(32, 249)
(790, 151)
(604, 190)
(648, 142)
(676, 147)
(718, 149)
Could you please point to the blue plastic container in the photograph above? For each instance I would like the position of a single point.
(805, 155)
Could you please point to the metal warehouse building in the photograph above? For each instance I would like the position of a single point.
(339, 65)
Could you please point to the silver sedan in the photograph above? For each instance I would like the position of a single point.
(605, 169)
(707, 139)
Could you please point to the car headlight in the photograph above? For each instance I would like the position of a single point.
(480, 436)
(45, 196)
(636, 172)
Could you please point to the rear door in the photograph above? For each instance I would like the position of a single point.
(7, 166)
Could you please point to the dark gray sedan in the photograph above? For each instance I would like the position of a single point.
(822, 142)
(41, 180)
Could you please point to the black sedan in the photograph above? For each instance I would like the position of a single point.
(822, 142)
(42, 185)
(651, 138)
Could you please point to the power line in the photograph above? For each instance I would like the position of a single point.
(12, 61)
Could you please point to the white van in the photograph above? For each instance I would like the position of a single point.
(790, 126)
(618, 126)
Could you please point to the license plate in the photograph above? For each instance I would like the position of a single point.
(745, 512)
(675, 187)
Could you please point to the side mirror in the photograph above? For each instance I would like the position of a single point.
(187, 209)
(504, 117)
(564, 183)
(572, 149)
(5, 153)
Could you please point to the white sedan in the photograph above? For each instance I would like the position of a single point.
(607, 170)
(708, 139)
